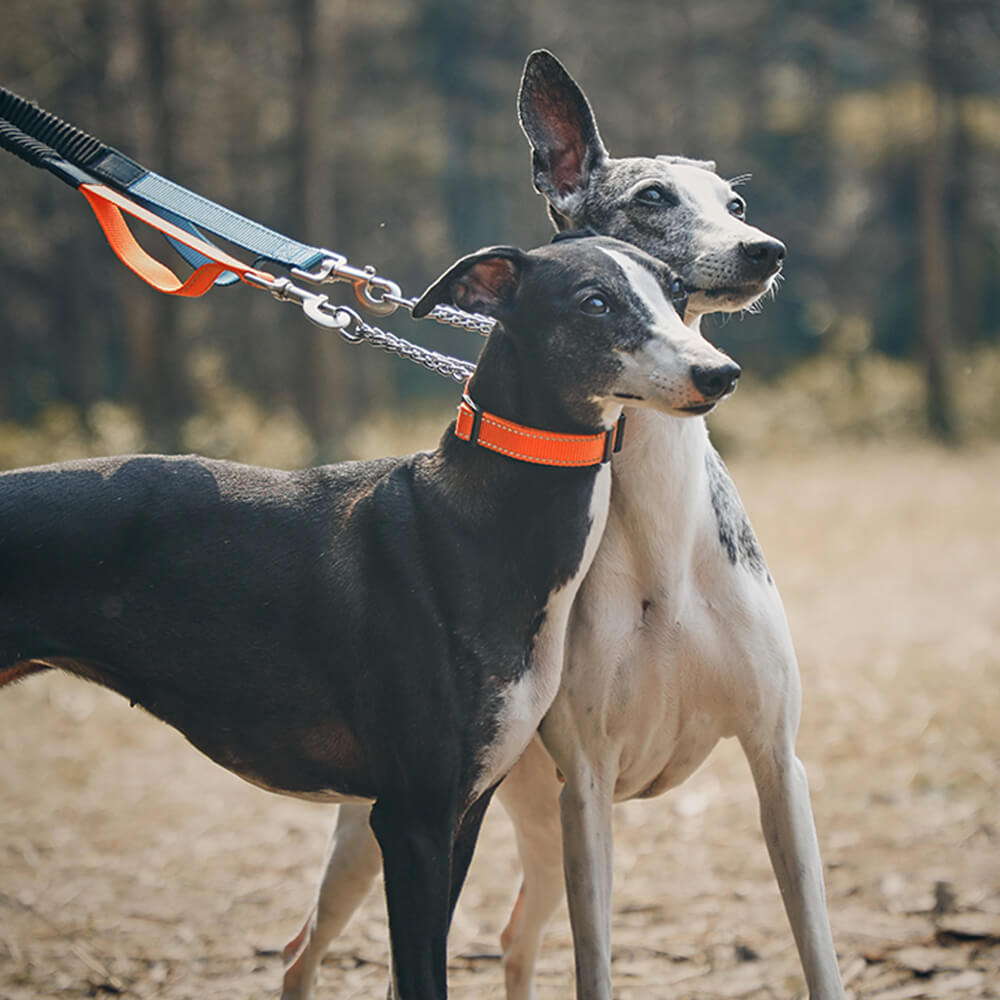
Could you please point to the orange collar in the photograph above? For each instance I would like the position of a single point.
(527, 444)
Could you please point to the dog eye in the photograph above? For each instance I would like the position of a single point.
(737, 207)
(595, 305)
(656, 194)
(678, 296)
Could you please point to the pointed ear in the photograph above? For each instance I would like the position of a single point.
(556, 117)
(483, 282)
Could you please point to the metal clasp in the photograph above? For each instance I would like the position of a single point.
(381, 305)
(375, 293)
(319, 309)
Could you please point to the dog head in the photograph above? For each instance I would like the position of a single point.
(594, 321)
(677, 209)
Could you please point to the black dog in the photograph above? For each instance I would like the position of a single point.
(389, 630)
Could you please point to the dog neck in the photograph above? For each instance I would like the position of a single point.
(663, 467)
(506, 386)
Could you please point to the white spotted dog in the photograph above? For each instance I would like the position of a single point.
(677, 638)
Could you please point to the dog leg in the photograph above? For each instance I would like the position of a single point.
(530, 794)
(790, 833)
(416, 861)
(585, 807)
(353, 861)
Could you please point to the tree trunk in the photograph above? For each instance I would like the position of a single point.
(933, 231)
(323, 371)
(157, 358)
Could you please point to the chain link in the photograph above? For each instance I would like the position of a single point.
(443, 364)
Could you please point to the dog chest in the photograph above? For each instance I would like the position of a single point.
(525, 700)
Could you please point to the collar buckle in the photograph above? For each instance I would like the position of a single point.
(614, 438)
(477, 418)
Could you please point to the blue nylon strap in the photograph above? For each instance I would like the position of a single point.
(191, 256)
(172, 200)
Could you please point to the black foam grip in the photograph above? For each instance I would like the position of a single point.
(69, 141)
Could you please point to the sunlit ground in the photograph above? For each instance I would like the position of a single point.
(130, 864)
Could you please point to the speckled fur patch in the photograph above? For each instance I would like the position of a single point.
(735, 534)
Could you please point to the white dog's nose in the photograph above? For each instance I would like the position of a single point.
(716, 381)
(768, 255)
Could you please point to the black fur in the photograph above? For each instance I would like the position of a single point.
(735, 534)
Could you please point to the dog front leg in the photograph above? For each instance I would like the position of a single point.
(416, 861)
(530, 794)
(585, 807)
(353, 860)
(790, 834)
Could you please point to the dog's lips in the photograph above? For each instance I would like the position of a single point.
(698, 409)
(751, 290)
(745, 292)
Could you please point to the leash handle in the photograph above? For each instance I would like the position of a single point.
(43, 140)
(108, 206)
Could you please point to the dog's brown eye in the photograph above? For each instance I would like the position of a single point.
(595, 305)
(738, 207)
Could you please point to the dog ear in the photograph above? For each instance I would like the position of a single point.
(483, 282)
(559, 123)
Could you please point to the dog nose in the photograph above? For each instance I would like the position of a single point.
(715, 382)
(766, 254)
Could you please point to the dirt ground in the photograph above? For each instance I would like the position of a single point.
(131, 866)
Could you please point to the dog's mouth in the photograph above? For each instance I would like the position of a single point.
(748, 292)
(698, 409)
(738, 296)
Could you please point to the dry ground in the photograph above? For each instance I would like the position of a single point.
(130, 865)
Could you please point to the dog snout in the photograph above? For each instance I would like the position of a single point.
(715, 381)
(764, 254)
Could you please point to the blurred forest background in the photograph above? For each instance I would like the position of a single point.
(387, 131)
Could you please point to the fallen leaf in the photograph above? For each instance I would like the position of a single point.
(928, 960)
(975, 926)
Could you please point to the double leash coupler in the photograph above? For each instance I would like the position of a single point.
(114, 184)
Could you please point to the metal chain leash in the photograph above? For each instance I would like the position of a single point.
(442, 364)
(321, 311)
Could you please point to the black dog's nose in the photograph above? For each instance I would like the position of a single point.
(766, 254)
(714, 383)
